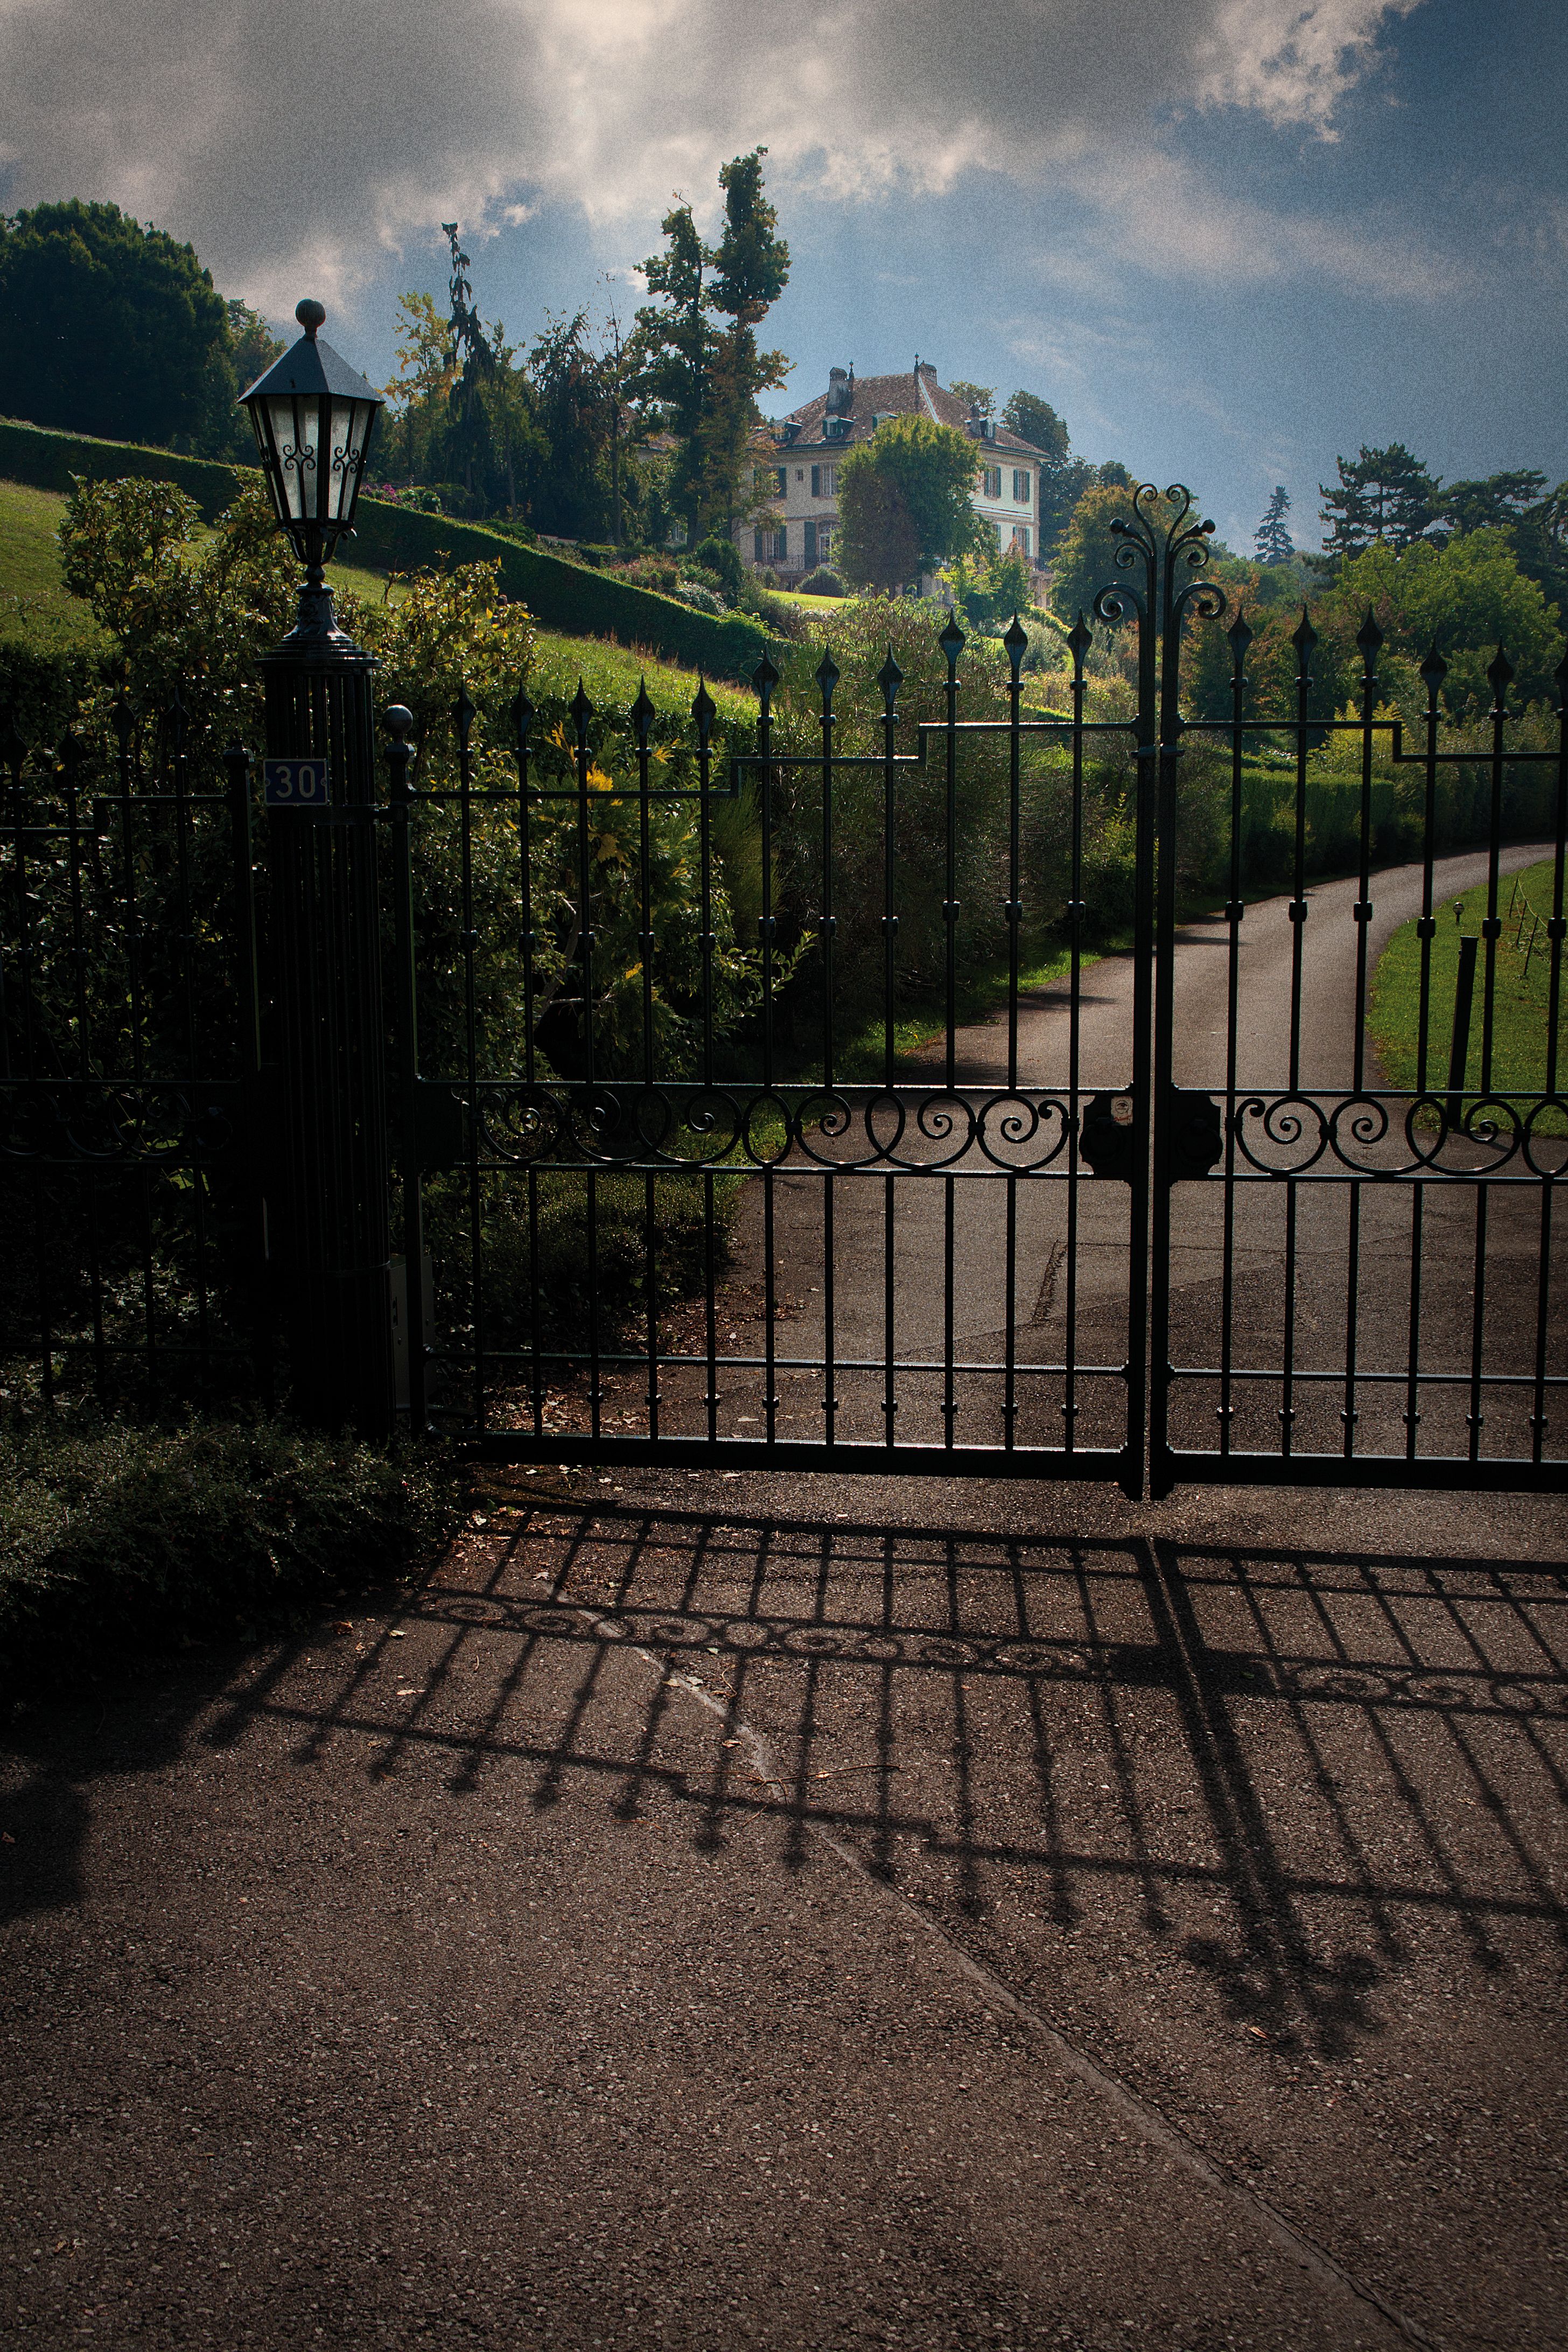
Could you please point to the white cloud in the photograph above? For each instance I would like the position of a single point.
(292, 144)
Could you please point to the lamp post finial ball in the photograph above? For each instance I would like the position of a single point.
(310, 315)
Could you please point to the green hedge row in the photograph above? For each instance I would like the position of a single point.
(560, 595)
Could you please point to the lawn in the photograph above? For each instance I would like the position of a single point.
(30, 573)
(1521, 1000)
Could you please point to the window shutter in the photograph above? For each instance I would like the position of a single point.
(757, 555)
(811, 541)
(782, 477)
(816, 481)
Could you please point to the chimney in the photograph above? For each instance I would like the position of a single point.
(927, 367)
(837, 392)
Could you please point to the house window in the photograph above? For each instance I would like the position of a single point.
(823, 541)
(782, 478)
(1020, 486)
(1021, 535)
(800, 473)
(825, 481)
(990, 481)
(768, 546)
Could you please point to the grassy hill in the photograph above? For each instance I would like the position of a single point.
(34, 597)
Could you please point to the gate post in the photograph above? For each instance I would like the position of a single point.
(334, 1236)
(313, 415)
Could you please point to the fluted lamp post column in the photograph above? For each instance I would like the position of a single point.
(328, 1172)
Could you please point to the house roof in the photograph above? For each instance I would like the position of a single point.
(870, 396)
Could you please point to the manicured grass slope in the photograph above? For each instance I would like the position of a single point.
(1520, 1000)
(611, 673)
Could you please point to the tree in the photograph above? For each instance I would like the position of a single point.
(472, 355)
(706, 379)
(904, 501)
(1272, 537)
(420, 393)
(1385, 494)
(571, 414)
(110, 328)
(1034, 420)
(980, 397)
(1086, 559)
(1497, 503)
(252, 344)
(1468, 598)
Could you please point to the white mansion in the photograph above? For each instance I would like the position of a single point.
(805, 448)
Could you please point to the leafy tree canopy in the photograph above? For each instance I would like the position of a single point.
(113, 328)
(1468, 597)
(1034, 420)
(903, 495)
(1086, 559)
(980, 397)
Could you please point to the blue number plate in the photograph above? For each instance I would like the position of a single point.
(295, 784)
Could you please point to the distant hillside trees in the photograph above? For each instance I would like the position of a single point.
(113, 328)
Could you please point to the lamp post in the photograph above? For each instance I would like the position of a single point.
(328, 1178)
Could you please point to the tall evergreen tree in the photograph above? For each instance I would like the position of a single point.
(1381, 493)
(473, 359)
(1272, 537)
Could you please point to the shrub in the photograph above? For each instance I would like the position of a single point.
(116, 1537)
(823, 581)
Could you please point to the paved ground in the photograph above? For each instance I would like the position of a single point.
(888, 1914)
(1363, 1255)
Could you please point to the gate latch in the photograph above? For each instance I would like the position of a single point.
(1108, 1133)
(1195, 1132)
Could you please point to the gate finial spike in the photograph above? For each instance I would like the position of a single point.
(522, 712)
(1016, 640)
(1434, 669)
(1241, 637)
(1369, 636)
(952, 640)
(890, 677)
(642, 714)
(1081, 637)
(463, 715)
(827, 675)
(703, 708)
(1560, 677)
(1304, 636)
(582, 710)
(1499, 673)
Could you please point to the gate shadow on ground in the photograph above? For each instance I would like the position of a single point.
(1287, 1773)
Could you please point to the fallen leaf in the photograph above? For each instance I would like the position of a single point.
(344, 1625)
(396, 1636)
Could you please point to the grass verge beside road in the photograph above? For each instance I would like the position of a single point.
(1520, 1002)
(118, 1539)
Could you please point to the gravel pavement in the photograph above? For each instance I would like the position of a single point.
(874, 1913)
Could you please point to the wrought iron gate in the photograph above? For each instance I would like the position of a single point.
(859, 1078)
(1079, 1239)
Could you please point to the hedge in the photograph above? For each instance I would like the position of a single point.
(561, 595)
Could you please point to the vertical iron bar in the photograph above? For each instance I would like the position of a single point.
(406, 1004)
(1240, 639)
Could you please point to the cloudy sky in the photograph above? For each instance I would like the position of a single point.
(1227, 238)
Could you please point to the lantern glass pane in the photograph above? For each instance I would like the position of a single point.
(296, 425)
(347, 439)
